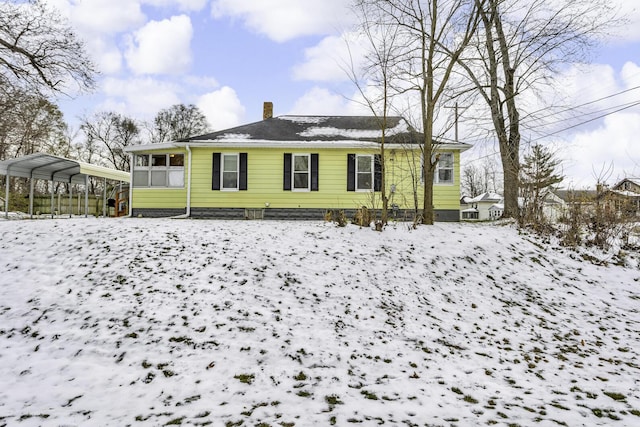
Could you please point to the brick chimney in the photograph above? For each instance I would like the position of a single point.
(267, 110)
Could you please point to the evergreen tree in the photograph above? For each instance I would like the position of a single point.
(538, 176)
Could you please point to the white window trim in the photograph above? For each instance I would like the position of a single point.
(372, 172)
(167, 168)
(436, 177)
(293, 172)
(237, 187)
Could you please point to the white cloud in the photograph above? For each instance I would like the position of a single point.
(222, 108)
(139, 97)
(104, 16)
(283, 20)
(333, 59)
(183, 5)
(630, 11)
(161, 47)
(105, 54)
(320, 101)
(605, 141)
(613, 143)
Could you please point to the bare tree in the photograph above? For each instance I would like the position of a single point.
(478, 178)
(39, 51)
(435, 33)
(107, 134)
(518, 49)
(28, 124)
(375, 81)
(179, 122)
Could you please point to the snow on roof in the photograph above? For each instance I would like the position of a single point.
(305, 119)
(235, 136)
(330, 131)
(497, 207)
(626, 193)
(486, 197)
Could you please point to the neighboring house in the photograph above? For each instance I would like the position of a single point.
(554, 207)
(624, 197)
(296, 167)
(577, 200)
(486, 206)
(490, 206)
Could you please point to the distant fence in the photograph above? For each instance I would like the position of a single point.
(61, 205)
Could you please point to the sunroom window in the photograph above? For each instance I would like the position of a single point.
(158, 170)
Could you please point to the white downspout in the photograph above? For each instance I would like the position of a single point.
(188, 212)
(131, 160)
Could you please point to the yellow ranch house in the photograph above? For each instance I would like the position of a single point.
(292, 167)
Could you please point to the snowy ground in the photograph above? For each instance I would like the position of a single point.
(114, 322)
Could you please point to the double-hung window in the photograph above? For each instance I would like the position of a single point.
(229, 171)
(300, 172)
(364, 172)
(444, 169)
(158, 170)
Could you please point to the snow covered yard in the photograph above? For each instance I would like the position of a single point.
(147, 322)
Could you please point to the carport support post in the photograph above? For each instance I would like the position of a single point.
(86, 196)
(31, 183)
(104, 198)
(70, 199)
(6, 193)
(53, 184)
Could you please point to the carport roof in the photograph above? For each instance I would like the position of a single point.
(59, 169)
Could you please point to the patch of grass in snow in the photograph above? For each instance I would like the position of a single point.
(300, 377)
(245, 378)
(470, 399)
(614, 395)
(369, 395)
(333, 399)
(28, 416)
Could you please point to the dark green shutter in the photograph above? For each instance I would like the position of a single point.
(351, 172)
(287, 172)
(377, 172)
(314, 172)
(242, 185)
(215, 175)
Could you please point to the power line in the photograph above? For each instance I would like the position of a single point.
(587, 121)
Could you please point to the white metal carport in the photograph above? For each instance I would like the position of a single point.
(56, 169)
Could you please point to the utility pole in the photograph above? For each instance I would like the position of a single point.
(455, 120)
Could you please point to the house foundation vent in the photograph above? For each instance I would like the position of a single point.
(254, 214)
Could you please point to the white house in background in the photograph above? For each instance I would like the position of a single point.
(554, 207)
(490, 206)
(486, 206)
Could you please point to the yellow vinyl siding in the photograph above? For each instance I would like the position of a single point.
(265, 182)
(161, 197)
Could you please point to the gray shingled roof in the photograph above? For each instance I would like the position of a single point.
(315, 128)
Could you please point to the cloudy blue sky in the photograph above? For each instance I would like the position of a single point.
(228, 56)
